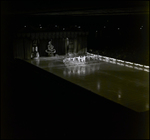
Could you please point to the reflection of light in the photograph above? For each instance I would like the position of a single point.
(64, 72)
(138, 68)
(120, 64)
(147, 106)
(37, 61)
(119, 96)
(107, 59)
(147, 70)
(69, 72)
(73, 71)
(78, 71)
(119, 93)
(113, 62)
(129, 66)
(98, 85)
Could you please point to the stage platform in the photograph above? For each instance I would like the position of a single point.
(126, 86)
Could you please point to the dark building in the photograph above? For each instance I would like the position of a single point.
(40, 101)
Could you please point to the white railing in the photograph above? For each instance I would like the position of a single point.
(121, 62)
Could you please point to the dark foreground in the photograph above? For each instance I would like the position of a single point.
(38, 104)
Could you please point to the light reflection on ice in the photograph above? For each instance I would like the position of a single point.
(98, 85)
(147, 70)
(129, 66)
(121, 64)
(138, 68)
(80, 70)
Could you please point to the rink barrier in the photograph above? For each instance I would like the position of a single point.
(121, 62)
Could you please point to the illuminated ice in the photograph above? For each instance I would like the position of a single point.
(81, 59)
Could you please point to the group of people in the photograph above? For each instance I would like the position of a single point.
(50, 51)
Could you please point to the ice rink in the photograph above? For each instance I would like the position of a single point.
(122, 84)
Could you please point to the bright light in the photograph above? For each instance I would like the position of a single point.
(120, 61)
(146, 66)
(140, 65)
(128, 62)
